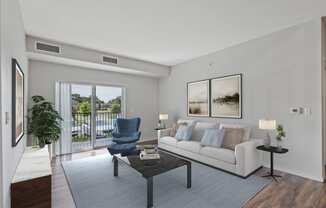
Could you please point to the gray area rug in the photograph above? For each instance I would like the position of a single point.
(93, 185)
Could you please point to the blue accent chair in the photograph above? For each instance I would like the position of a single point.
(125, 136)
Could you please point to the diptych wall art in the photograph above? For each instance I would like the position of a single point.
(218, 97)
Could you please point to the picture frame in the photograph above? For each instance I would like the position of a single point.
(198, 98)
(18, 124)
(226, 96)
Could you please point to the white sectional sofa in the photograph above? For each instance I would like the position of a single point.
(243, 161)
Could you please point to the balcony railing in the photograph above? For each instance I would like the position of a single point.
(82, 125)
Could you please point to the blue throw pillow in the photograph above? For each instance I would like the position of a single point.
(213, 137)
(184, 132)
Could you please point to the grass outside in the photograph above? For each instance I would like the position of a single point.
(81, 138)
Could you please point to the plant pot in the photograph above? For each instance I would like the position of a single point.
(41, 144)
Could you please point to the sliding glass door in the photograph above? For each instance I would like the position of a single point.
(107, 110)
(94, 110)
(81, 108)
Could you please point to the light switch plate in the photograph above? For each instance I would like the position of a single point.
(307, 111)
(296, 110)
(7, 119)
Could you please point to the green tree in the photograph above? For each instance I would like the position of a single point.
(116, 108)
(85, 107)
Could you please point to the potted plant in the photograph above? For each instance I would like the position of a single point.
(280, 135)
(44, 121)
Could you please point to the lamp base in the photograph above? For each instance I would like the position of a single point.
(268, 140)
(267, 145)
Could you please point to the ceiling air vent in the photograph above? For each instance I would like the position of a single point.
(47, 47)
(110, 60)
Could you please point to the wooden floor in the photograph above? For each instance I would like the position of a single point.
(291, 191)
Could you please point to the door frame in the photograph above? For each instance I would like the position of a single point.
(93, 104)
(323, 91)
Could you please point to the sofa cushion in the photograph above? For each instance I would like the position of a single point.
(222, 154)
(247, 129)
(213, 137)
(191, 146)
(199, 129)
(169, 141)
(232, 137)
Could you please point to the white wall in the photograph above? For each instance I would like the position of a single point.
(12, 45)
(88, 58)
(141, 92)
(1, 159)
(280, 71)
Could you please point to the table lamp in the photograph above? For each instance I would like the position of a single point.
(268, 125)
(162, 118)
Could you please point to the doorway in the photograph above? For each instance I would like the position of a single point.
(89, 112)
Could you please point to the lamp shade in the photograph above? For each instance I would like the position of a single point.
(267, 124)
(164, 116)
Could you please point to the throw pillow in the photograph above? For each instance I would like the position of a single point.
(175, 127)
(213, 137)
(232, 137)
(184, 132)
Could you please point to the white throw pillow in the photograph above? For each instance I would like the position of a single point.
(187, 121)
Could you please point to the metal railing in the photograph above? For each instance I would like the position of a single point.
(82, 125)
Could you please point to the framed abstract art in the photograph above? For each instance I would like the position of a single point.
(198, 98)
(17, 102)
(226, 96)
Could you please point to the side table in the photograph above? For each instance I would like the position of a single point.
(272, 150)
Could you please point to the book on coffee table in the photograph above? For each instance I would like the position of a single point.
(149, 155)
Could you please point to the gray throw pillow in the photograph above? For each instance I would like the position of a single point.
(213, 137)
(232, 137)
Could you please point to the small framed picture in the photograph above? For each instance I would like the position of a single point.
(226, 96)
(17, 103)
(198, 98)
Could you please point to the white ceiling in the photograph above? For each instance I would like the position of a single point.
(166, 31)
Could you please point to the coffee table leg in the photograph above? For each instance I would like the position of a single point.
(150, 192)
(189, 175)
(115, 166)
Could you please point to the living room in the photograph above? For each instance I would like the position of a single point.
(219, 94)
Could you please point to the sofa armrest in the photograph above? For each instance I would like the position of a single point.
(163, 133)
(248, 158)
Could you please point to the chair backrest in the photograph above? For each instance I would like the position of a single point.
(127, 125)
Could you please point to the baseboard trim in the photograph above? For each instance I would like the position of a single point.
(211, 166)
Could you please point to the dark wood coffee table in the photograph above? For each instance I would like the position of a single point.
(150, 168)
